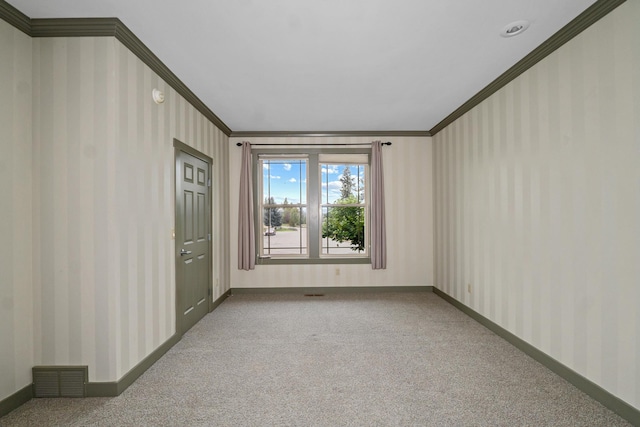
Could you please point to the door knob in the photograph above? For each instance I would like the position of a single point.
(183, 252)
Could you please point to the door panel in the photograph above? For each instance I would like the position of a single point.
(193, 225)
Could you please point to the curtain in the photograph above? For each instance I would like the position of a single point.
(378, 228)
(246, 234)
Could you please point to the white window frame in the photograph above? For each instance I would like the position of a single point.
(261, 206)
(313, 203)
(365, 204)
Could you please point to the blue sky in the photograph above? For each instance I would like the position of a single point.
(288, 179)
(285, 179)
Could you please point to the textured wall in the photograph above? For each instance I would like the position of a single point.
(16, 224)
(538, 205)
(104, 168)
(408, 190)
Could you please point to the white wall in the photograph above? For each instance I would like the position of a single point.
(86, 201)
(409, 207)
(104, 215)
(16, 223)
(538, 205)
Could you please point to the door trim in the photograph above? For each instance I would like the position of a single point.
(180, 146)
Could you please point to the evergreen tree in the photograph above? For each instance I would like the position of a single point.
(347, 183)
(286, 213)
(272, 216)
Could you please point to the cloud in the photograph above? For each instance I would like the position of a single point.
(292, 180)
(333, 191)
(335, 185)
(287, 166)
(272, 176)
(330, 169)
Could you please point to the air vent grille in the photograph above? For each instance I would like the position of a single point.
(46, 384)
(59, 381)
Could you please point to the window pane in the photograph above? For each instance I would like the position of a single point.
(284, 237)
(343, 230)
(284, 181)
(342, 183)
(335, 201)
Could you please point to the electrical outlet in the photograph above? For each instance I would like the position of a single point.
(469, 287)
(337, 271)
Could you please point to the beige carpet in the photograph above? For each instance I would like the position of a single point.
(376, 359)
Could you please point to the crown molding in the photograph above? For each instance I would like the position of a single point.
(591, 15)
(76, 27)
(14, 17)
(107, 27)
(317, 134)
(135, 45)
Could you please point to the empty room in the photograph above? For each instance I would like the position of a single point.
(320, 212)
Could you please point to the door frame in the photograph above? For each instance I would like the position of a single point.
(178, 147)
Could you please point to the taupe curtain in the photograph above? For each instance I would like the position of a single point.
(378, 228)
(246, 234)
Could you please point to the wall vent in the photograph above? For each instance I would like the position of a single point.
(60, 381)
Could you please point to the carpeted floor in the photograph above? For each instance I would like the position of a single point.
(376, 359)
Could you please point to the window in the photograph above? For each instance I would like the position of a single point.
(284, 206)
(312, 206)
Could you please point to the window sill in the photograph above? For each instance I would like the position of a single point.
(307, 261)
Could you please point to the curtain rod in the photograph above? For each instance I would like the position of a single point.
(239, 144)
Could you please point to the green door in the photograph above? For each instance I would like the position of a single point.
(193, 228)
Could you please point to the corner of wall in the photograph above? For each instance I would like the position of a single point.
(16, 211)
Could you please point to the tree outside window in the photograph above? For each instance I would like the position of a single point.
(344, 218)
(312, 205)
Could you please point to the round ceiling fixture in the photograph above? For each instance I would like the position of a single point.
(515, 28)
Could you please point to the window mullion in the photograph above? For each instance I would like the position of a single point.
(313, 209)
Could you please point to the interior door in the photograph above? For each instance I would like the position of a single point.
(193, 228)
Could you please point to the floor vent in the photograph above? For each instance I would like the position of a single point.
(313, 295)
(59, 381)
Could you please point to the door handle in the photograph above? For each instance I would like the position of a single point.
(183, 252)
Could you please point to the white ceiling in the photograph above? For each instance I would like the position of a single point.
(329, 65)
